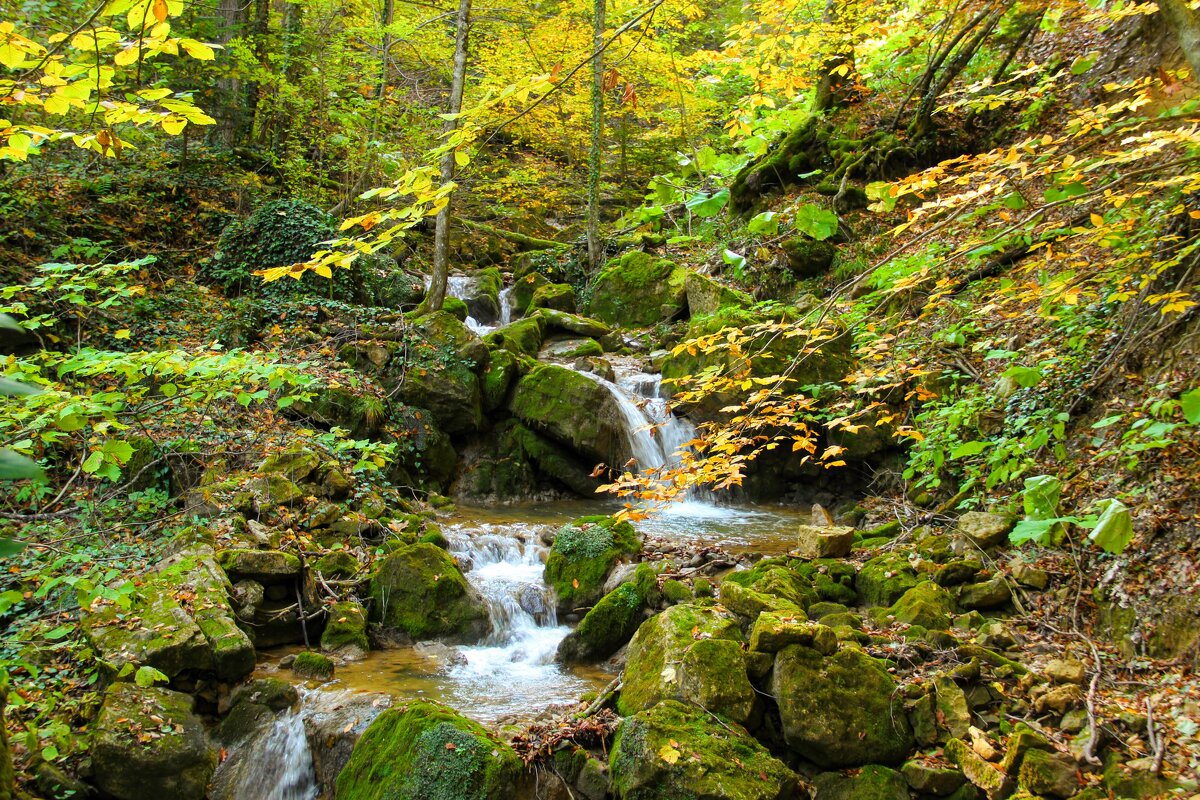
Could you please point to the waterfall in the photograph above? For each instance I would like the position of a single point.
(275, 765)
(506, 305)
(459, 286)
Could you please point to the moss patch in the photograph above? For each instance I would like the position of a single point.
(583, 554)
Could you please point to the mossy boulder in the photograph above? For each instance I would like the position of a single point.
(872, 782)
(840, 710)
(637, 290)
(363, 415)
(926, 604)
(451, 392)
(660, 644)
(883, 580)
(930, 779)
(345, 628)
(313, 666)
(159, 631)
(337, 565)
(570, 349)
(572, 324)
(482, 294)
(985, 529)
(264, 566)
(558, 296)
(807, 257)
(713, 675)
(148, 744)
(611, 622)
(583, 554)
(427, 751)
(296, 464)
(774, 630)
(676, 591)
(708, 296)
(573, 410)
(524, 287)
(501, 374)
(982, 774)
(677, 751)
(1048, 774)
(769, 586)
(523, 337)
(420, 591)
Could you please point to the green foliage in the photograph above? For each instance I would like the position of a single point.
(578, 542)
(366, 455)
(817, 222)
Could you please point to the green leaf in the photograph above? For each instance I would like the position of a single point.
(16, 467)
(15, 388)
(766, 223)
(1114, 529)
(9, 323)
(148, 676)
(61, 632)
(1033, 530)
(11, 597)
(93, 462)
(9, 547)
(735, 260)
(817, 222)
(49, 752)
(1041, 497)
(969, 449)
(1024, 376)
(703, 205)
(1190, 403)
(1084, 63)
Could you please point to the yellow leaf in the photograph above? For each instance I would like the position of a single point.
(1097, 220)
(173, 125)
(197, 50)
(461, 158)
(122, 334)
(668, 754)
(160, 10)
(323, 271)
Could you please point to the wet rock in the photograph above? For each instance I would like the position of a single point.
(815, 542)
(593, 781)
(673, 750)
(419, 590)
(573, 410)
(422, 750)
(264, 566)
(584, 552)
(985, 529)
(612, 621)
(872, 782)
(313, 666)
(660, 644)
(148, 745)
(990, 594)
(840, 710)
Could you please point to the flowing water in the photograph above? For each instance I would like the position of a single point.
(276, 764)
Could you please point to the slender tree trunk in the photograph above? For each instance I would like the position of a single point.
(231, 120)
(595, 246)
(441, 236)
(837, 71)
(1185, 27)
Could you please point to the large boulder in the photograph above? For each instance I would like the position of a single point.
(425, 751)
(840, 710)
(481, 293)
(572, 324)
(420, 591)
(180, 620)
(927, 605)
(652, 666)
(678, 751)
(583, 554)
(872, 782)
(609, 624)
(573, 410)
(707, 296)
(884, 579)
(148, 745)
(523, 337)
(637, 290)
(558, 296)
(442, 373)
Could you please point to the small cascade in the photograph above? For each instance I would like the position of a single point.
(459, 286)
(506, 305)
(275, 765)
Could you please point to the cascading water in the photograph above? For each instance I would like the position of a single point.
(275, 765)
(459, 286)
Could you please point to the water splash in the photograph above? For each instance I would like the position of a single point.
(275, 765)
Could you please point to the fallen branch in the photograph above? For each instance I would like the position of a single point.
(525, 241)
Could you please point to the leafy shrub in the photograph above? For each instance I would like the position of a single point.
(583, 542)
(284, 232)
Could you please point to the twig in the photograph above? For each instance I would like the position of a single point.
(1158, 743)
(1093, 740)
(614, 686)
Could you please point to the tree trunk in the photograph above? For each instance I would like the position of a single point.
(231, 119)
(595, 246)
(837, 70)
(1185, 27)
(441, 235)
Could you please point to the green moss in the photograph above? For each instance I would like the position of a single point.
(426, 751)
(927, 605)
(807, 257)
(313, 666)
(676, 591)
(677, 752)
(884, 579)
(637, 290)
(346, 626)
(338, 564)
(872, 782)
(712, 675)
(501, 372)
(418, 589)
(559, 296)
(583, 554)
(524, 287)
(606, 626)
(523, 336)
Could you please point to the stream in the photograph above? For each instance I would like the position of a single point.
(511, 674)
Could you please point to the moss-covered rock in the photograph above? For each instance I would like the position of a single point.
(313, 666)
(839, 710)
(450, 392)
(806, 257)
(676, 591)
(296, 464)
(929, 779)
(336, 565)
(558, 296)
(872, 782)
(426, 751)
(708, 296)
(345, 628)
(524, 287)
(572, 324)
(1048, 774)
(773, 631)
(611, 622)
(637, 290)
(983, 775)
(985, 529)
(884, 579)
(499, 377)
(769, 586)
(573, 410)
(583, 554)
(713, 675)
(523, 337)
(419, 590)
(482, 294)
(570, 349)
(985, 595)
(363, 415)
(148, 745)
(926, 604)
(660, 644)
(264, 566)
(677, 751)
